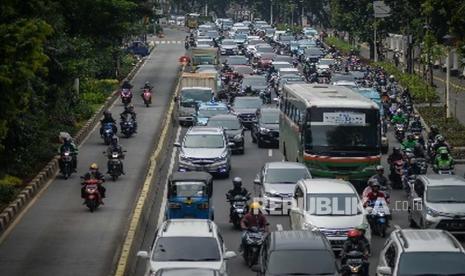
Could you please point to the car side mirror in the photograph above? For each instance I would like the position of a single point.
(143, 254)
(384, 270)
(229, 255)
(178, 145)
(176, 99)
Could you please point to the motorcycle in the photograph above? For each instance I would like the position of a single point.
(147, 96)
(238, 209)
(126, 96)
(266, 96)
(127, 127)
(422, 164)
(107, 133)
(254, 239)
(396, 173)
(115, 165)
(354, 264)
(92, 195)
(400, 132)
(377, 212)
(66, 164)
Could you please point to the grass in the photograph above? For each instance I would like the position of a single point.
(340, 44)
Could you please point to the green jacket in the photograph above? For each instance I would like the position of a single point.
(72, 147)
(396, 119)
(408, 144)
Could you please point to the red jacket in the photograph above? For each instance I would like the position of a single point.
(250, 220)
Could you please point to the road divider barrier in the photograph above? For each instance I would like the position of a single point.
(141, 211)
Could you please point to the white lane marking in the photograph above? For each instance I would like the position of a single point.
(270, 152)
(279, 227)
(161, 215)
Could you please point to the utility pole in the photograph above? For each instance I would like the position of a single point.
(271, 12)
(303, 13)
(448, 41)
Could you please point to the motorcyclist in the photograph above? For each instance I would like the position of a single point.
(363, 229)
(416, 123)
(395, 155)
(443, 160)
(355, 242)
(129, 113)
(380, 178)
(115, 147)
(399, 117)
(440, 142)
(68, 145)
(94, 173)
(374, 194)
(126, 85)
(254, 218)
(409, 143)
(434, 131)
(147, 86)
(108, 119)
(248, 90)
(237, 189)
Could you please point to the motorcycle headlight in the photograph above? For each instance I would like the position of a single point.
(264, 130)
(432, 212)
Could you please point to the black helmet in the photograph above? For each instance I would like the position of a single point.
(395, 149)
(434, 128)
(106, 113)
(114, 140)
(237, 182)
(129, 108)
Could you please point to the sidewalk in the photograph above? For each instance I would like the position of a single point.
(457, 88)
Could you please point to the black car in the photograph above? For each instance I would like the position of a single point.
(233, 128)
(266, 130)
(299, 252)
(246, 109)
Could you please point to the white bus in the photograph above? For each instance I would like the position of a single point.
(332, 129)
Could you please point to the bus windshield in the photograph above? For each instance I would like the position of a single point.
(336, 132)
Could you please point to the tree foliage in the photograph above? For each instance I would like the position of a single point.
(46, 45)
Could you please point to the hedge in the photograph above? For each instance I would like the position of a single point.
(453, 131)
(9, 187)
(340, 44)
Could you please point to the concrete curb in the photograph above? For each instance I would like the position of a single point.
(8, 215)
(141, 211)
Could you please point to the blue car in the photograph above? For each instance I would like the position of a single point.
(207, 110)
(373, 95)
(189, 195)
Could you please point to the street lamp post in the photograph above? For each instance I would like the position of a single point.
(303, 13)
(448, 41)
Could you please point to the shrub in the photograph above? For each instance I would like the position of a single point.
(9, 186)
(451, 128)
(340, 44)
(419, 89)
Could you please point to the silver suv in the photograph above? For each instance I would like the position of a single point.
(205, 149)
(187, 243)
(421, 252)
(438, 201)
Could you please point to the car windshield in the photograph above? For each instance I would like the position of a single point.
(333, 204)
(207, 113)
(186, 249)
(427, 263)
(189, 97)
(326, 62)
(446, 194)
(241, 102)
(189, 188)
(203, 141)
(282, 65)
(265, 50)
(301, 262)
(337, 132)
(286, 175)
(186, 271)
(240, 36)
(245, 70)
(226, 124)
(254, 81)
(255, 41)
(283, 58)
(270, 116)
(228, 42)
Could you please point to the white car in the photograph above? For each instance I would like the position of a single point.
(331, 206)
(187, 243)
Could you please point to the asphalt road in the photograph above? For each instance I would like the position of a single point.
(247, 166)
(58, 235)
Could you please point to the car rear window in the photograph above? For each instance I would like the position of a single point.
(302, 262)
